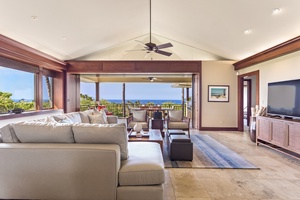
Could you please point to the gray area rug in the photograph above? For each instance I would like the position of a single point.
(209, 154)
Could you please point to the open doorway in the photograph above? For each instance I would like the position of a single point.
(248, 96)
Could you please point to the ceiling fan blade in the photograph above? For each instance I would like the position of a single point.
(136, 50)
(162, 46)
(163, 52)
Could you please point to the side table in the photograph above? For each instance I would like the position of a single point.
(158, 124)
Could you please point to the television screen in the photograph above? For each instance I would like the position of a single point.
(284, 98)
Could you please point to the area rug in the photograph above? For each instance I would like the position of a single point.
(209, 154)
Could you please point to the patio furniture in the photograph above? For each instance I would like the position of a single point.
(138, 116)
(176, 120)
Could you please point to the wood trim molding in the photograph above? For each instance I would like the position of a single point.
(284, 48)
(218, 129)
(98, 67)
(17, 51)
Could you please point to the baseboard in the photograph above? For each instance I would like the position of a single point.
(218, 129)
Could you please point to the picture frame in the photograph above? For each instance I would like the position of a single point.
(218, 93)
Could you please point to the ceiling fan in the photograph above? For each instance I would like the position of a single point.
(149, 47)
(152, 79)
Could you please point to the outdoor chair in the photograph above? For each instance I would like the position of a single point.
(176, 121)
(138, 116)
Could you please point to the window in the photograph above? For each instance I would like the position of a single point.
(17, 89)
(47, 92)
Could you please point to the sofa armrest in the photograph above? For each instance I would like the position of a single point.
(112, 119)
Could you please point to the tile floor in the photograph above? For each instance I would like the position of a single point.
(278, 178)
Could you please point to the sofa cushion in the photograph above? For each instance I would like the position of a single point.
(43, 132)
(85, 116)
(102, 134)
(139, 115)
(8, 134)
(178, 125)
(145, 165)
(175, 115)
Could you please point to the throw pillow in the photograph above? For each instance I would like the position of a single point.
(175, 115)
(8, 134)
(99, 118)
(85, 116)
(62, 119)
(139, 115)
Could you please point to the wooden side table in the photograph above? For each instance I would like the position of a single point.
(158, 124)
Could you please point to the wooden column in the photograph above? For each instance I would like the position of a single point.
(182, 101)
(123, 100)
(97, 91)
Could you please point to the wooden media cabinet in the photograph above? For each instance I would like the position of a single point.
(279, 134)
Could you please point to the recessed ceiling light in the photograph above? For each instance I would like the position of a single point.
(248, 31)
(63, 37)
(276, 11)
(34, 17)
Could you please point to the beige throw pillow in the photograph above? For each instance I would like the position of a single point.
(99, 118)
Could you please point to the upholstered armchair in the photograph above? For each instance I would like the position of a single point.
(138, 116)
(176, 120)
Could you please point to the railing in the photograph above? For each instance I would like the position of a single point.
(117, 109)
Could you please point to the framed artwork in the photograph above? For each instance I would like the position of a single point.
(218, 93)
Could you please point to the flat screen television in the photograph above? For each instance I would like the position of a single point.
(284, 98)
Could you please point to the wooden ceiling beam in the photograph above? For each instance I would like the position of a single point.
(284, 48)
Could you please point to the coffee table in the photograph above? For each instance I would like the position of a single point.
(154, 136)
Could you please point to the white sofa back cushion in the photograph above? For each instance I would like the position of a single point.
(43, 132)
(102, 134)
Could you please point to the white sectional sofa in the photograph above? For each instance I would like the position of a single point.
(44, 159)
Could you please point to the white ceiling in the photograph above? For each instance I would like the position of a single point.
(105, 29)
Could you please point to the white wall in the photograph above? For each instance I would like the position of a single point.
(219, 114)
(280, 69)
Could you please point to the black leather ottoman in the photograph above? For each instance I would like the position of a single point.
(180, 147)
(173, 132)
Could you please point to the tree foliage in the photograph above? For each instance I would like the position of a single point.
(6, 103)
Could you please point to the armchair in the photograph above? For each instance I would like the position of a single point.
(176, 120)
(138, 116)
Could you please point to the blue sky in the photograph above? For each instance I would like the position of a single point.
(21, 84)
(159, 91)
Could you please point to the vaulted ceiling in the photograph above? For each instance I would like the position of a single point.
(107, 29)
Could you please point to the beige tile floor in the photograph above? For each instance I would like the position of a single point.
(278, 177)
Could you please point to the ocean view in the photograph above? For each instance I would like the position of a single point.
(119, 101)
(145, 101)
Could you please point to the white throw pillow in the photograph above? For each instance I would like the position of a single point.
(62, 119)
(175, 115)
(139, 115)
